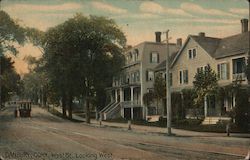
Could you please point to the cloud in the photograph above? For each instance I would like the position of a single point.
(137, 16)
(152, 7)
(240, 11)
(43, 8)
(108, 8)
(205, 20)
(194, 8)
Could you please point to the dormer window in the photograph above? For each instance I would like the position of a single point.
(130, 56)
(136, 54)
(192, 53)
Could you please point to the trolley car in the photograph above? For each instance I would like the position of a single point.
(24, 109)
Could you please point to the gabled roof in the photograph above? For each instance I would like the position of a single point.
(220, 48)
(162, 65)
(209, 44)
(233, 45)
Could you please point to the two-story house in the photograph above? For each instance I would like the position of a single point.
(226, 56)
(135, 79)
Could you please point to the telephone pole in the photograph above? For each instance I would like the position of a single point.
(0, 71)
(168, 92)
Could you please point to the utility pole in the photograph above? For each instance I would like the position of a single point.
(0, 71)
(168, 92)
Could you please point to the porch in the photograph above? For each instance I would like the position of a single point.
(129, 99)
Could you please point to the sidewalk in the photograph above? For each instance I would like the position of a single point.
(155, 130)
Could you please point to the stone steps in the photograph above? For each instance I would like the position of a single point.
(214, 120)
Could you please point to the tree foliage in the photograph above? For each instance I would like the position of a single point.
(81, 55)
(205, 83)
(10, 80)
(148, 98)
(160, 87)
(248, 69)
(11, 33)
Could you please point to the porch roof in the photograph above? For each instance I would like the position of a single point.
(123, 86)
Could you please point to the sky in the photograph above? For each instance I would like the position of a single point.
(138, 19)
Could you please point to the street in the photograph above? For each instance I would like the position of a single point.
(45, 136)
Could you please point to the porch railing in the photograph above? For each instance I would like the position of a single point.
(128, 104)
(239, 76)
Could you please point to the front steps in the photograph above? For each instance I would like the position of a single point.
(214, 120)
(111, 111)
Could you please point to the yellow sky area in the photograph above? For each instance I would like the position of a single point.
(133, 38)
(28, 49)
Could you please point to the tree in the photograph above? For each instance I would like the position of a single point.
(9, 78)
(205, 83)
(248, 69)
(148, 98)
(11, 34)
(160, 91)
(81, 56)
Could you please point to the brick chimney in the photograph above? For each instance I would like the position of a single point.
(158, 37)
(179, 42)
(202, 34)
(244, 25)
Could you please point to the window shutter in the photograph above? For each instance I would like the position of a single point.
(228, 71)
(218, 70)
(150, 57)
(146, 75)
(180, 77)
(186, 76)
(158, 58)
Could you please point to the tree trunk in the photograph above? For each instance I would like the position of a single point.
(87, 111)
(70, 107)
(64, 105)
(164, 107)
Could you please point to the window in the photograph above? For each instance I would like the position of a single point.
(149, 75)
(136, 53)
(127, 78)
(137, 75)
(223, 71)
(180, 77)
(199, 69)
(183, 77)
(192, 53)
(154, 57)
(130, 56)
(238, 65)
(132, 77)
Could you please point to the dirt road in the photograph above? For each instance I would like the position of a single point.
(45, 136)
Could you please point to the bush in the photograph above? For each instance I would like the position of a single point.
(190, 122)
(242, 109)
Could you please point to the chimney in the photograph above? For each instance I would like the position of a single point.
(202, 34)
(244, 25)
(158, 37)
(179, 42)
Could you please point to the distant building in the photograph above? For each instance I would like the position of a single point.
(227, 56)
(135, 79)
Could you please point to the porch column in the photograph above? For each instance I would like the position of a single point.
(116, 96)
(121, 95)
(121, 100)
(205, 106)
(132, 94)
(132, 112)
(132, 101)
